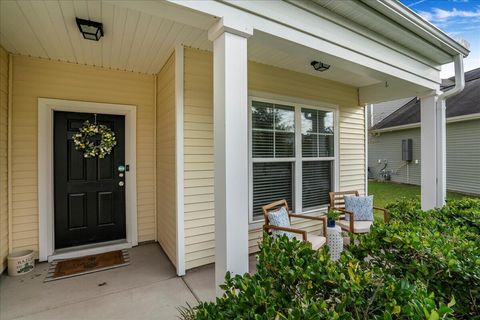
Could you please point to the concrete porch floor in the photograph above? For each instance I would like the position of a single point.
(148, 288)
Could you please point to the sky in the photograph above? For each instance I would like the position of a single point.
(458, 18)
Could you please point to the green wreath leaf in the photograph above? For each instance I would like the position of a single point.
(83, 140)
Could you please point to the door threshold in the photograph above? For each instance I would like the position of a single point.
(89, 249)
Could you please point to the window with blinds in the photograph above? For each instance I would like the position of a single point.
(288, 140)
(273, 139)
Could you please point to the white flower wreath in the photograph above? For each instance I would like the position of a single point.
(90, 147)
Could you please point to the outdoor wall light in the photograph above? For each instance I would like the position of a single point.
(90, 30)
(320, 66)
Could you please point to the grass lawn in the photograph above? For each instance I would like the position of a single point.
(385, 192)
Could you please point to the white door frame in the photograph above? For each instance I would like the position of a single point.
(46, 107)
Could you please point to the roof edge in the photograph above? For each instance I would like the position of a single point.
(419, 24)
(466, 117)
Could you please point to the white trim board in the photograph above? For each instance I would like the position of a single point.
(179, 167)
(46, 107)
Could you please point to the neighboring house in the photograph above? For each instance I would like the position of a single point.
(380, 111)
(463, 140)
(217, 109)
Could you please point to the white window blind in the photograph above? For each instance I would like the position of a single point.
(271, 181)
(316, 183)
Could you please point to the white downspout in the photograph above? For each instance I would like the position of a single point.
(441, 137)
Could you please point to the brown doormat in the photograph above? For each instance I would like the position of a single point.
(88, 264)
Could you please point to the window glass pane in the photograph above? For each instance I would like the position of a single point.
(271, 181)
(309, 145)
(284, 118)
(325, 122)
(273, 130)
(325, 145)
(262, 115)
(262, 144)
(316, 183)
(317, 133)
(309, 120)
(284, 144)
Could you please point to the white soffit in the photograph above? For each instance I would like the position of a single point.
(134, 40)
(362, 15)
(267, 49)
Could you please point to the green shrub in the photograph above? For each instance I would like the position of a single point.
(422, 265)
(440, 248)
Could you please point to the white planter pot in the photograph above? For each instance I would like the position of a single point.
(20, 262)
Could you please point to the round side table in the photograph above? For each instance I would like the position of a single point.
(335, 242)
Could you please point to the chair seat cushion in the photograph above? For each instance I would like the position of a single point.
(358, 226)
(361, 207)
(316, 241)
(279, 218)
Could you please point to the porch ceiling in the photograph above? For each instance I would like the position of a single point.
(133, 41)
(138, 40)
(140, 36)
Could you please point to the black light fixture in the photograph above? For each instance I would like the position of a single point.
(320, 66)
(90, 30)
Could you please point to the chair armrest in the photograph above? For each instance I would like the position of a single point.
(319, 218)
(302, 232)
(351, 219)
(304, 216)
(385, 213)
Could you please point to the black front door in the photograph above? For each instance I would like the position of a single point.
(89, 192)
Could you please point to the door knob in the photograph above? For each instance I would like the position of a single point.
(121, 183)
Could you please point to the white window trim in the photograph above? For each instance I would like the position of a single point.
(46, 107)
(297, 104)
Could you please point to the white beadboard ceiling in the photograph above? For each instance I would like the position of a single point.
(139, 39)
(133, 41)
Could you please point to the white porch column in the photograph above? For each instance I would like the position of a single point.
(441, 157)
(230, 104)
(432, 152)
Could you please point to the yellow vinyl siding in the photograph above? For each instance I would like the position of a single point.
(34, 78)
(166, 174)
(198, 131)
(3, 158)
(198, 158)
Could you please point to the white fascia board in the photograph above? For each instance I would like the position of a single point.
(467, 117)
(291, 23)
